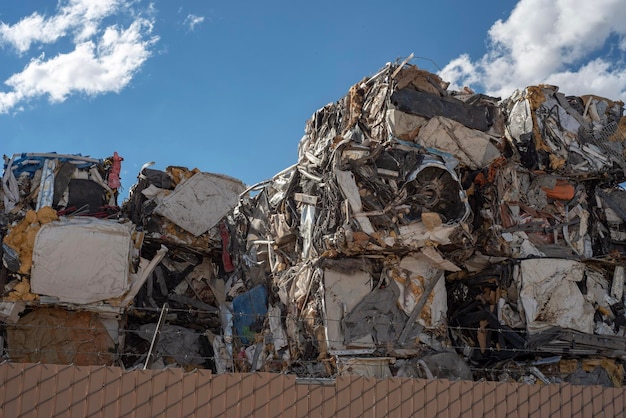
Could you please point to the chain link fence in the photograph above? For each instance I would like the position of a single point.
(101, 391)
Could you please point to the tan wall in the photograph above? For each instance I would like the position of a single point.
(58, 390)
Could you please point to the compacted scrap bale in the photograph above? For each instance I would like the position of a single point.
(68, 259)
(428, 232)
(181, 211)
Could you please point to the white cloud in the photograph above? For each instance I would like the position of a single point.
(80, 17)
(103, 59)
(597, 77)
(460, 72)
(192, 21)
(550, 41)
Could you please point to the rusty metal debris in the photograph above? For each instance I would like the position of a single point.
(422, 232)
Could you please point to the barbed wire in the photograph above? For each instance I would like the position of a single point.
(440, 332)
(262, 318)
(345, 351)
(283, 319)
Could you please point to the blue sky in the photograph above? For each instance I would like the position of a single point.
(227, 86)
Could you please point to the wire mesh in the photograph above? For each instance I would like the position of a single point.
(98, 391)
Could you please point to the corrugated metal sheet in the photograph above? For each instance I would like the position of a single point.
(98, 391)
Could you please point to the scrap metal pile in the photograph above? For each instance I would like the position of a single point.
(423, 232)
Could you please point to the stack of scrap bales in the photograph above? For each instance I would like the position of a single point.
(423, 232)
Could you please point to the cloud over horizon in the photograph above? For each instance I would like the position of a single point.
(101, 57)
(577, 45)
